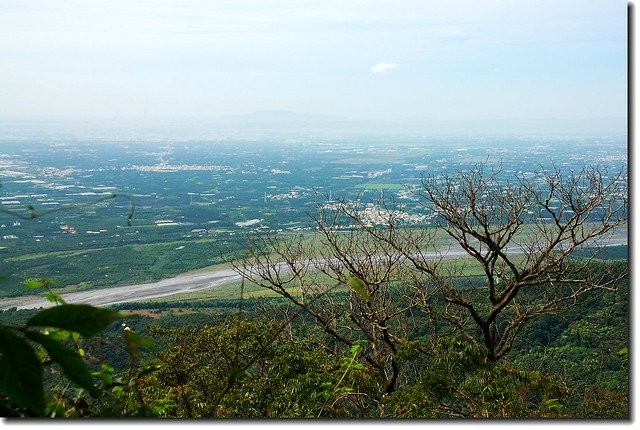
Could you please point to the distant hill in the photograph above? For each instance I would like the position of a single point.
(280, 122)
(285, 116)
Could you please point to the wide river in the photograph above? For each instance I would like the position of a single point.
(185, 283)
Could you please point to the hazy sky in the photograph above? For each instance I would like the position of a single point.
(475, 59)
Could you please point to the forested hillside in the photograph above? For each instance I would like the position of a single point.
(370, 319)
(257, 359)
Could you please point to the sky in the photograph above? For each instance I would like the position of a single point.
(77, 60)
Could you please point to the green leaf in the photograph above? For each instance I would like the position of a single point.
(104, 377)
(107, 368)
(84, 319)
(355, 349)
(55, 409)
(58, 334)
(134, 341)
(357, 285)
(53, 297)
(40, 283)
(20, 372)
(34, 283)
(73, 366)
(149, 370)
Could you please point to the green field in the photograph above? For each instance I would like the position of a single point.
(112, 266)
(463, 267)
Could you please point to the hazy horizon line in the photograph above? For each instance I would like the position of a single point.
(275, 115)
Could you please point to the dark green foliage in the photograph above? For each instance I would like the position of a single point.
(134, 342)
(571, 365)
(85, 267)
(22, 391)
(205, 364)
(72, 363)
(20, 373)
(84, 319)
(357, 285)
(205, 375)
(586, 351)
(236, 370)
(619, 252)
(15, 316)
(459, 382)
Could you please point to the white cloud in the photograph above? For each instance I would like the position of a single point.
(383, 68)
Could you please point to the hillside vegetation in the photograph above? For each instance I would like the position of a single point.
(366, 319)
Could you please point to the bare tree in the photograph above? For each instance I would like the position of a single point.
(520, 230)
(302, 268)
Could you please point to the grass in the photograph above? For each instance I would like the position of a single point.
(111, 266)
(465, 266)
(75, 253)
(231, 291)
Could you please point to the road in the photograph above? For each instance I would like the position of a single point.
(180, 284)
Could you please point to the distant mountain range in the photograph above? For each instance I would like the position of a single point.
(292, 121)
(282, 122)
(285, 116)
